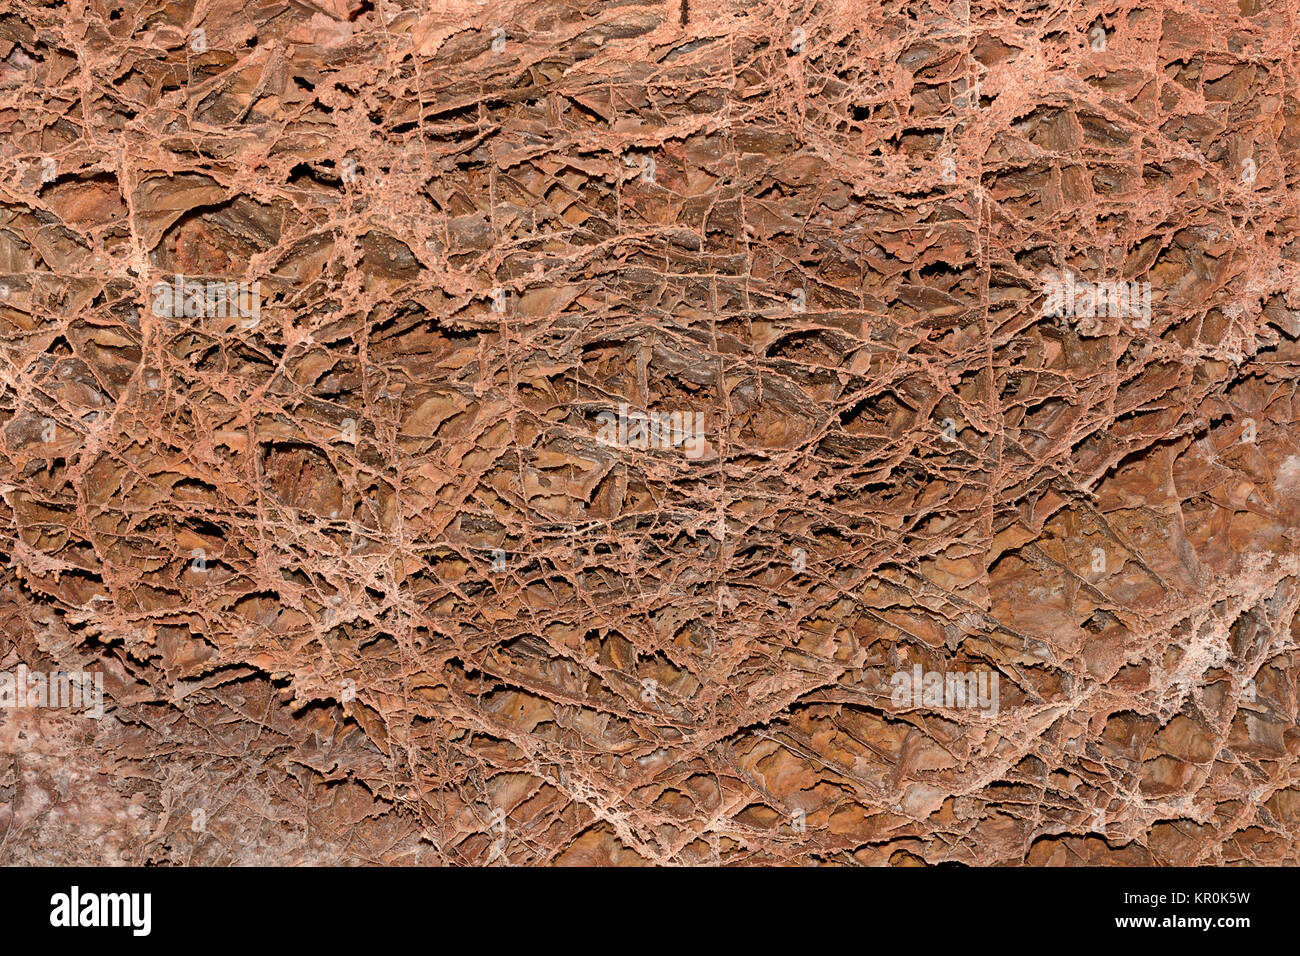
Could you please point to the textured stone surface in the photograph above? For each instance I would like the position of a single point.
(368, 583)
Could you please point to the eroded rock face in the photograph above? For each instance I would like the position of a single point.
(525, 433)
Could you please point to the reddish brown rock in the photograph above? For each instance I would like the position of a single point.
(509, 432)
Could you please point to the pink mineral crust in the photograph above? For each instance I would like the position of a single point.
(529, 432)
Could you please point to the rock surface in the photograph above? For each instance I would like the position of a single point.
(626, 420)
